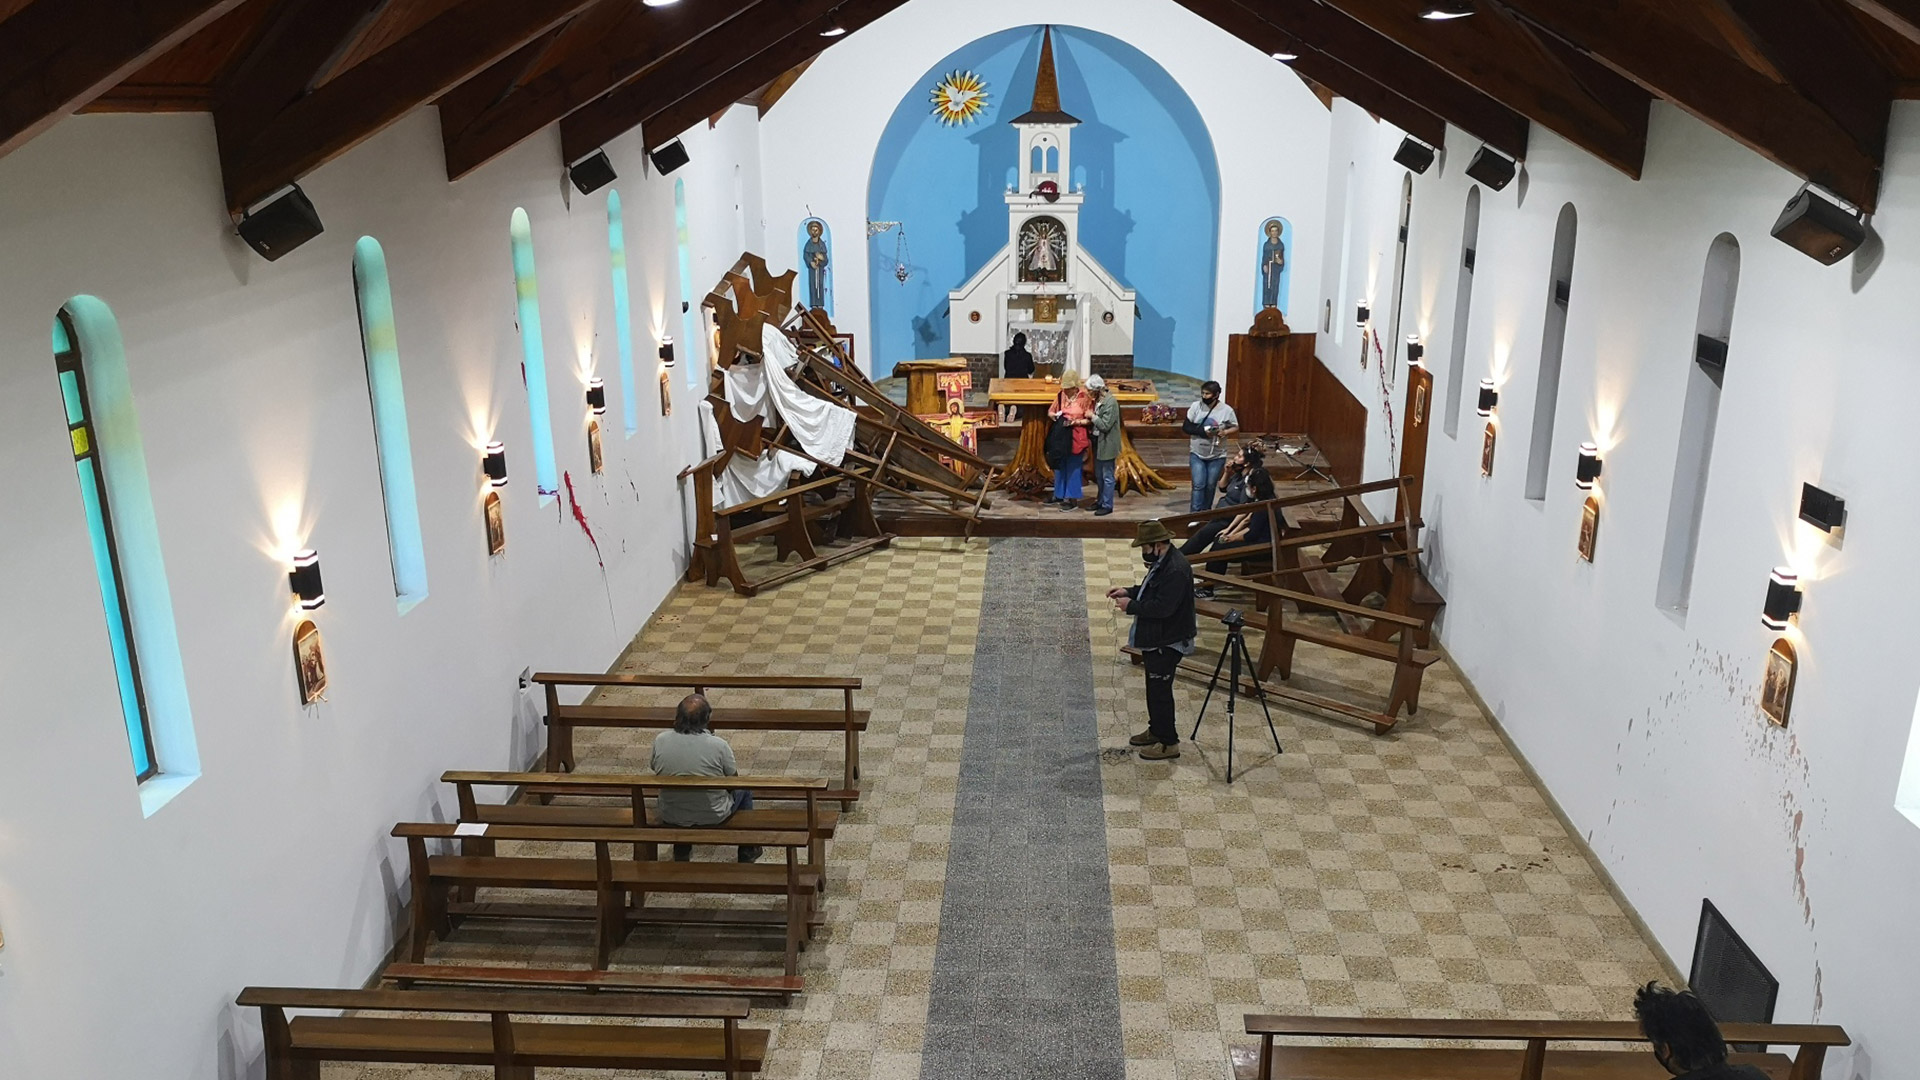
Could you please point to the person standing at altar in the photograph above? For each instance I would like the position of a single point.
(1106, 442)
(1069, 439)
(1016, 363)
(1210, 423)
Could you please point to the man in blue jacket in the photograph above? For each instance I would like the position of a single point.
(1163, 631)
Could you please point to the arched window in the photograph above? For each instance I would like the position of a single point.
(1553, 341)
(694, 338)
(111, 464)
(1462, 309)
(380, 343)
(1037, 161)
(534, 355)
(1400, 267)
(1343, 311)
(1712, 329)
(622, 309)
(1053, 159)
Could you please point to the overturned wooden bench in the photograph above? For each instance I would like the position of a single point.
(1531, 1060)
(810, 817)
(619, 886)
(849, 722)
(297, 1046)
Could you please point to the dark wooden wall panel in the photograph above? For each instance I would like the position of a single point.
(1337, 424)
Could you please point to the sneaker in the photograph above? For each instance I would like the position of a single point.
(683, 853)
(1145, 738)
(1103, 511)
(1204, 592)
(1159, 752)
(749, 854)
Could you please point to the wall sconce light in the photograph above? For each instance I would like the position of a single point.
(1363, 314)
(494, 464)
(305, 580)
(1822, 509)
(666, 352)
(1588, 470)
(1415, 351)
(597, 397)
(1489, 397)
(1783, 599)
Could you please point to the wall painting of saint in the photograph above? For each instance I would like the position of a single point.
(816, 265)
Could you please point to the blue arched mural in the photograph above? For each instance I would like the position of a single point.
(1142, 153)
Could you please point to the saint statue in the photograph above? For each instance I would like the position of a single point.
(1273, 260)
(1043, 243)
(814, 254)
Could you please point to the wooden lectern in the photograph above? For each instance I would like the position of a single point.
(1269, 375)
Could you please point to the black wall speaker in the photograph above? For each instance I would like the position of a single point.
(1491, 168)
(1819, 229)
(281, 225)
(591, 173)
(669, 157)
(1415, 155)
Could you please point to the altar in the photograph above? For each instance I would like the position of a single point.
(1029, 473)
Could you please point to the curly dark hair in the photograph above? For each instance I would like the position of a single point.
(1683, 1033)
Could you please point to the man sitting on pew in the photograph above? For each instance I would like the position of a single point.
(1252, 528)
(690, 749)
(1685, 1039)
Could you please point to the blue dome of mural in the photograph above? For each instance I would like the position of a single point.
(1141, 153)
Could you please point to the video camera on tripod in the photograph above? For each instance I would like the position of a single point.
(1235, 659)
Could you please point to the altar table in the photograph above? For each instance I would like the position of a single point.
(1029, 474)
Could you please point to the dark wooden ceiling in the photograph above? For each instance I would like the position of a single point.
(291, 84)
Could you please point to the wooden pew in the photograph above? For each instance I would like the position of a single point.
(613, 882)
(1532, 1060)
(787, 516)
(846, 720)
(296, 1047)
(810, 818)
(406, 975)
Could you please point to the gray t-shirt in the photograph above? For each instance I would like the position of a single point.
(1220, 415)
(704, 754)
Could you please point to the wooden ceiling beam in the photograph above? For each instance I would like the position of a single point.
(1599, 111)
(1399, 70)
(352, 106)
(1316, 66)
(479, 121)
(797, 48)
(57, 55)
(1826, 62)
(301, 40)
(1900, 16)
(1640, 41)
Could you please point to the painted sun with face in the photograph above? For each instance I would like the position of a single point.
(959, 98)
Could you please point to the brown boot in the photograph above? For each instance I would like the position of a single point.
(1145, 738)
(1159, 752)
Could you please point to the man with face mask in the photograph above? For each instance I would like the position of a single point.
(1163, 631)
(1210, 423)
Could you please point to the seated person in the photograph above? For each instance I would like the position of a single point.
(1250, 528)
(692, 750)
(1685, 1039)
(1233, 492)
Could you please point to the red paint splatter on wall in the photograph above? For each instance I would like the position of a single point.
(580, 516)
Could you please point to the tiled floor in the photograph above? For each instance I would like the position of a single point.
(1418, 873)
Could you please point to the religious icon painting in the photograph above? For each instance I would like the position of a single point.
(1486, 453)
(1042, 250)
(309, 663)
(666, 396)
(1273, 277)
(1589, 527)
(596, 459)
(496, 524)
(1776, 686)
(1420, 404)
(1046, 309)
(816, 264)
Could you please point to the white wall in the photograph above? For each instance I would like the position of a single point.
(1269, 136)
(126, 938)
(1644, 724)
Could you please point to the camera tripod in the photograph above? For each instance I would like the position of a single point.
(1232, 655)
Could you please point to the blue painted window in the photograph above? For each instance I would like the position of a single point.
(622, 308)
(533, 370)
(110, 465)
(693, 340)
(381, 343)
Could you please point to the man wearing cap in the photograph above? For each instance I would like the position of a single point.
(1106, 442)
(1163, 631)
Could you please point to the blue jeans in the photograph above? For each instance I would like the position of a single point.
(1206, 477)
(1104, 471)
(1066, 478)
(742, 800)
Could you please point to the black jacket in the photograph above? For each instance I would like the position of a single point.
(1017, 363)
(1163, 609)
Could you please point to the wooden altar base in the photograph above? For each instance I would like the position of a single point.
(1163, 451)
